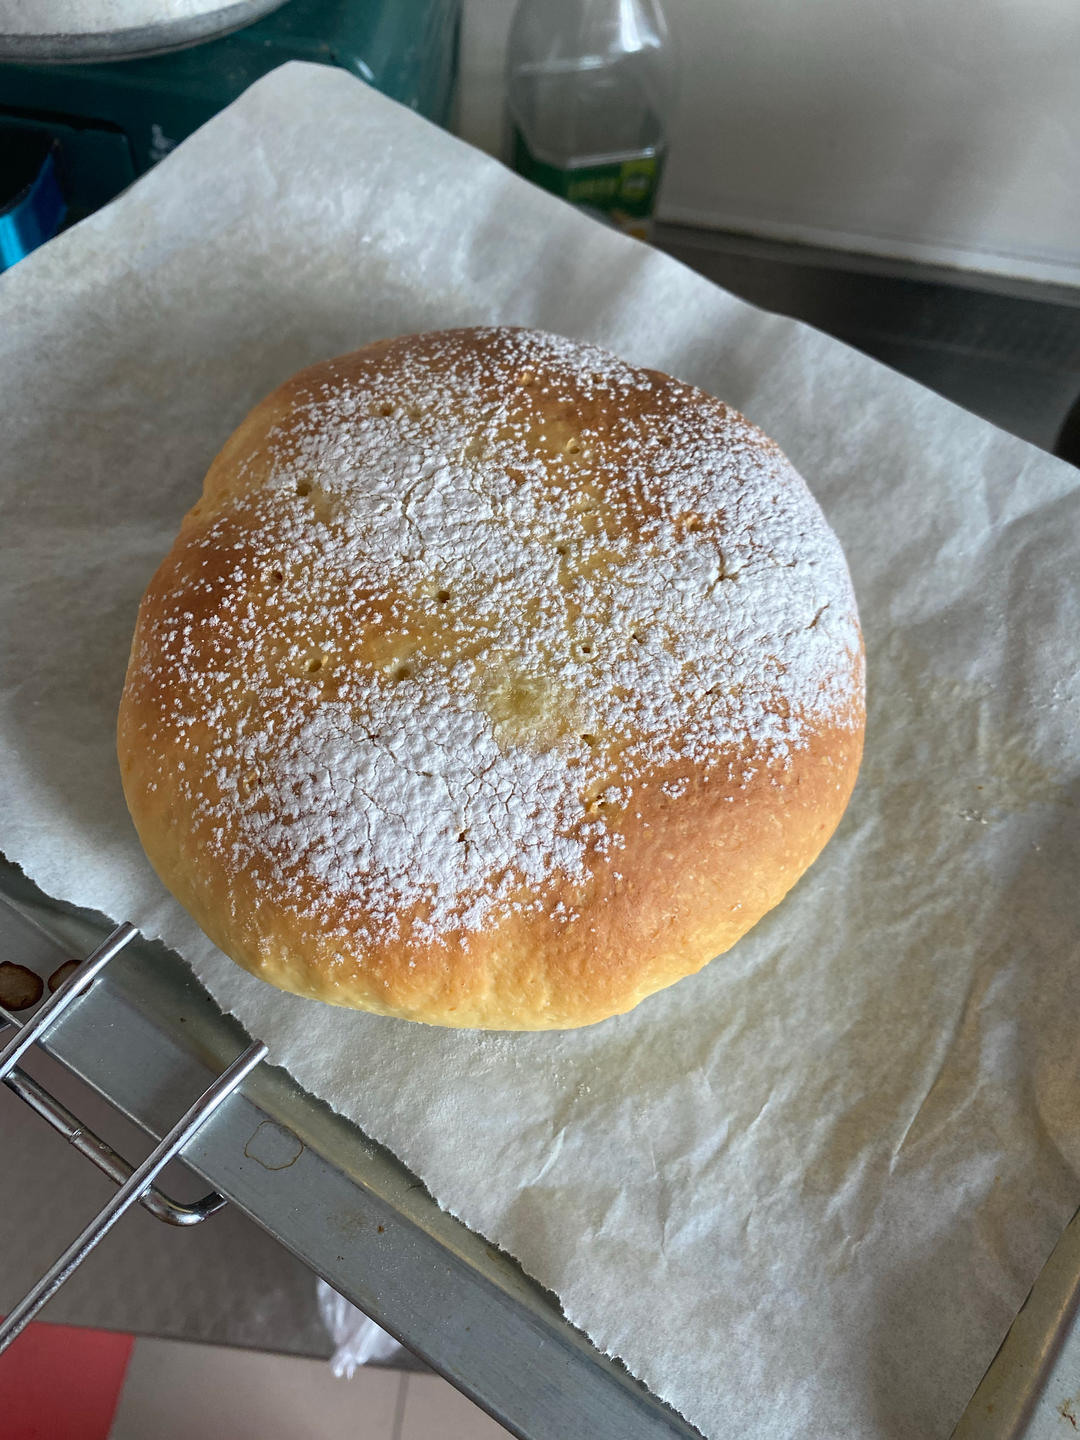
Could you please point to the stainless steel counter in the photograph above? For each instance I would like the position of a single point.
(1007, 349)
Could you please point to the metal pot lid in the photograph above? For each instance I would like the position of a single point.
(71, 30)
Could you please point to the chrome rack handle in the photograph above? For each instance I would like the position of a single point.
(135, 1182)
(129, 1192)
(101, 1154)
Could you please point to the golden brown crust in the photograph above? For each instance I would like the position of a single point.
(275, 668)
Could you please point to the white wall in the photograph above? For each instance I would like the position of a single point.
(945, 130)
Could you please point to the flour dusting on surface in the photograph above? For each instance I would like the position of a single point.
(485, 596)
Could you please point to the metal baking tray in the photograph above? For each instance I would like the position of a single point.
(149, 1038)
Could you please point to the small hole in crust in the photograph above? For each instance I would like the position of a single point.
(594, 799)
(689, 524)
(590, 740)
(401, 672)
(315, 664)
(562, 550)
(277, 576)
(637, 637)
(585, 648)
(572, 446)
(386, 408)
(442, 596)
(303, 488)
(462, 836)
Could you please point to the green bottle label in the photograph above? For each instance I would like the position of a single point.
(623, 192)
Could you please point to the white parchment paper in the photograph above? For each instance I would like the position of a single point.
(805, 1192)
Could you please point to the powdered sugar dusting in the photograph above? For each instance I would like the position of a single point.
(495, 585)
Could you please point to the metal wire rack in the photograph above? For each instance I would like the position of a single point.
(135, 1183)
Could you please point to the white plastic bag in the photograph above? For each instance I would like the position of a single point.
(357, 1339)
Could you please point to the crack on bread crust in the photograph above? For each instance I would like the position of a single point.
(487, 702)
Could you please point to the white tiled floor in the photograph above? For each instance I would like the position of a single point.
(434, 1410)
(190, 1392)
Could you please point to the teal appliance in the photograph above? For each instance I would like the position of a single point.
(74, 134)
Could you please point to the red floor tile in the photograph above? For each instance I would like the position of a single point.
(58, 1381)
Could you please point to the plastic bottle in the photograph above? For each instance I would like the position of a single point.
(589, 90)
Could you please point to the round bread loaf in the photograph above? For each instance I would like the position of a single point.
(492, 682)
